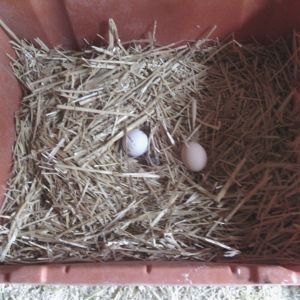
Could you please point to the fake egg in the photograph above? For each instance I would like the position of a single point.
(193, 156)
(135, 143)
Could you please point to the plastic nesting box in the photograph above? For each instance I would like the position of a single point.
(67, 23)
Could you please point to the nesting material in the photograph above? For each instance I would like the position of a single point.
(76, 195)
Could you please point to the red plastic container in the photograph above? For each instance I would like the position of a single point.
(67, 22)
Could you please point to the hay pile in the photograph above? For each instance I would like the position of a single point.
(74, 195)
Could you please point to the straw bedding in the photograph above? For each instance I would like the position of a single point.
(75, 195)
(70, 292)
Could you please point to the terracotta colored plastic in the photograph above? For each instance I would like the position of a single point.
(150, 273)
(67, 23)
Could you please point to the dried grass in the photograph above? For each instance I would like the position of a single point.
(74, 195)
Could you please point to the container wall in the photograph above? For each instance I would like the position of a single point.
(10, 94)
(68, 22)
(150, 273)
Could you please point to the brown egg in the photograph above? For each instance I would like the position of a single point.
(193, 156)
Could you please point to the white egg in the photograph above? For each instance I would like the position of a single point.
(194, 156)
(135, 143)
